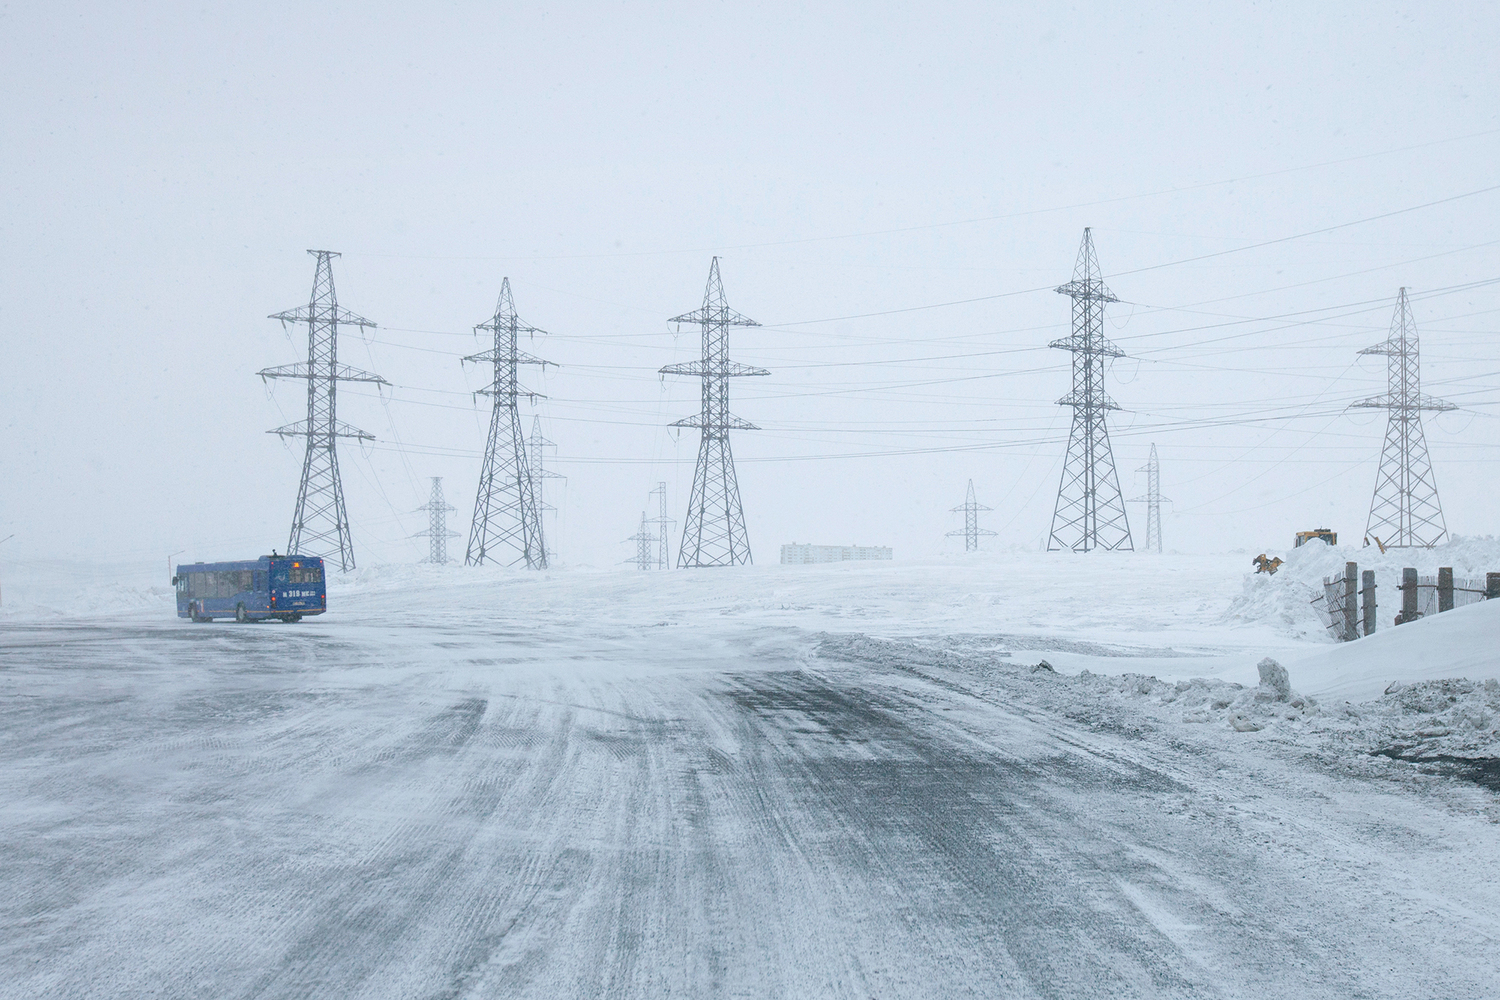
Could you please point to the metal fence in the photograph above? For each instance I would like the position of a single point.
(1465, 592)
(1347, 603)
(1333, 607)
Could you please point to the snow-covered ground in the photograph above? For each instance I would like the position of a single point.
(1013, 774)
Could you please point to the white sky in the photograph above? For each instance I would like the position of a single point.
(166, 166)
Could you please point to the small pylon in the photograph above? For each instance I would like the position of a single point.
(539, 476)
(1404, 512)
(1153, 501)
(661, 521)
(507, 523)
(645, 545)
(320, 524)
(437, 532)
(971, 530)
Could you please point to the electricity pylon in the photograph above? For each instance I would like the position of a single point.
(507, 524)
(539, 475)
(1153, 501)
(1404, 511)
(661, 520)
(320, 524)
(645, 545)
(1090, 512)
(714, 534)
(971, 529)
(437, 532)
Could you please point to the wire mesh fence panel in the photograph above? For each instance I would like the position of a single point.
(1427, 595)
(1467, 592)
(1332, 607)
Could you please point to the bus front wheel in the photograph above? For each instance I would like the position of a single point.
(193, 610)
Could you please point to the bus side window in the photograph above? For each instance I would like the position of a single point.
(261, 583)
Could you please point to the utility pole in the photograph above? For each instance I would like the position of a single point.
(1090, 513)
(714, 534)
(320, 525)
(507, 521)
(645, 545)
(437, 532)
(1404, 512)
(971, 529)
(661, 521)
(1153, 501)
(539, 475)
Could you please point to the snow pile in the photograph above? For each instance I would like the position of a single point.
(1428, 720)
(1206, 700)
(59, 589)
(1087, 696)
(1458, 643)
(1285, 599)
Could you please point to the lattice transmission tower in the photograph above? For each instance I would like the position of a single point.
(1404, 511)
(662, 522)
(714, 532)
(437, 532)
(1090, 511)
(507, 524)
(1153, 501)
(971, 530)
(539, 476)
(320, 524)
(645, 545)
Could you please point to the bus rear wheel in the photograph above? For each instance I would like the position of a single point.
(291, 618)
(239, 614)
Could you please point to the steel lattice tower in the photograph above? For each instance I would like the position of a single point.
(1090, 512)
(1153, 501)
(320, 524)
(661, 520)
(714, 534)
(1404, 511)
(507, 522)
(539, 475)
(437, 532)
(971, 529)
(645, 545)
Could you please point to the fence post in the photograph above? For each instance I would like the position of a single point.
(1367, 591)
(1409, 612)
(1445, 588)
(1351, 601)
(1492, 586)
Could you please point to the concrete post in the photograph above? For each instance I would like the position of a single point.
(1492, 586)
(1367, 592)
(1445, 588)
(1351, 601)
(1409, 611)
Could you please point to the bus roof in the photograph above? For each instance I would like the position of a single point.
(242, 563)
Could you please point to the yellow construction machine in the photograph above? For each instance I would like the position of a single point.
(1317, 534)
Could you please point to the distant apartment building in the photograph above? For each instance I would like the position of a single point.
(799, 555)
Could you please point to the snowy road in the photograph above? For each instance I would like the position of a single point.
(441, 806)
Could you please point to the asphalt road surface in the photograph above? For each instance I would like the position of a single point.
(452, 808)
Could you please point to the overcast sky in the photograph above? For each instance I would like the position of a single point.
(1260, 178)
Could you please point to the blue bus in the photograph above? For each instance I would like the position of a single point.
(252, 590)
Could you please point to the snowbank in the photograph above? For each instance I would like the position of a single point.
(1464, 642)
